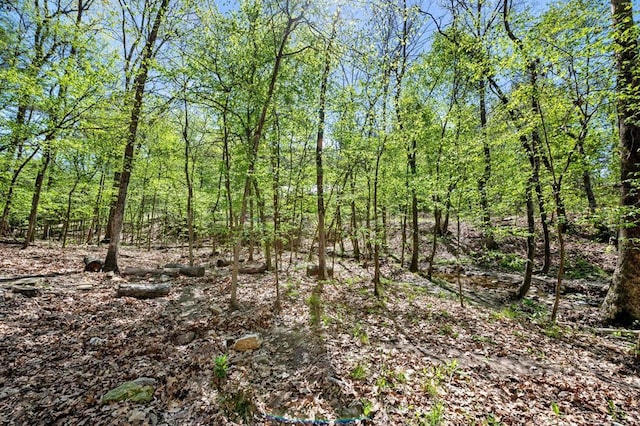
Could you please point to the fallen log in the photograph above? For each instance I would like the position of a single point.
(189, 271)
(256, 268)
(26, 290)
(143, 272)
(91, 264)
(221, 263)
(143, 291)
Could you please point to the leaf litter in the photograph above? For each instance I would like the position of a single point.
(413, 357)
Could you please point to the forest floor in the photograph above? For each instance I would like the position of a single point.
(412, 357)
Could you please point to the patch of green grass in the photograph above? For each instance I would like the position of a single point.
(437, 375)
(490, 420)
(238, 405)
(506, 261)
(483, 339)
(361, 334)
(615, 412)
(552, 330)
(359, 372)
(315, 308)
(433, 417)
(582, 268)
(367, 407)
(447, 330)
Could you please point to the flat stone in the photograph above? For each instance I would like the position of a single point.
(247, 342)
(140, 390)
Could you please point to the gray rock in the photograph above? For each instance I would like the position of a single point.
(97, 341)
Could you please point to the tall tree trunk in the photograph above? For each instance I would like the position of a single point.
(489, 241)
(622, 303)
(111, 261)
(67, 216)
(187, 175)
(256, 137)
(94, 226)
(322, 243)
(35, 201)
(354, 220)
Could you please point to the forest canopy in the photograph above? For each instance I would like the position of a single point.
(158, 121)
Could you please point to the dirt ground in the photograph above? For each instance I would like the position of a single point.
(412, 357)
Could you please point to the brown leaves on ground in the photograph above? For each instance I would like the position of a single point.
(413, 357)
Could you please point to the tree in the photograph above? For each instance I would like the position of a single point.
(622, 303)
(149, 51)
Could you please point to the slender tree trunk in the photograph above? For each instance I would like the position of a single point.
(277, 242)
(622, 303)
(255, 143)
(35, 201)
(187, 176)
(95, 220)
(531, 242)
(354, 221)
(586, 180)
(4, 221)
(322, 243)
(263, 222)
(67, 216)
(489, 241)
(111, 261)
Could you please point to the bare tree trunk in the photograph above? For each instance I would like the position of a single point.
(35, 201)
(256, 137)
(111, 261)
(322, 243)
(622, 303)
(531, 242)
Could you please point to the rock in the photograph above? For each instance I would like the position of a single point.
(215, 309)
(261, 359)
(26, 291)
(137, 416)
(97, 341)
(186, 338)
(247, 342)
(140, 390)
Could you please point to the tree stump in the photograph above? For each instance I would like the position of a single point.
(312, 271)
(91, 264)
(143, 291)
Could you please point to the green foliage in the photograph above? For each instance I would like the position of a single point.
(433, 417)
(360, 333)
(238, 404)
(221, 366)
(582, 268)
(505, 261)
(615, 413)
(359, 372)
(490, 420)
